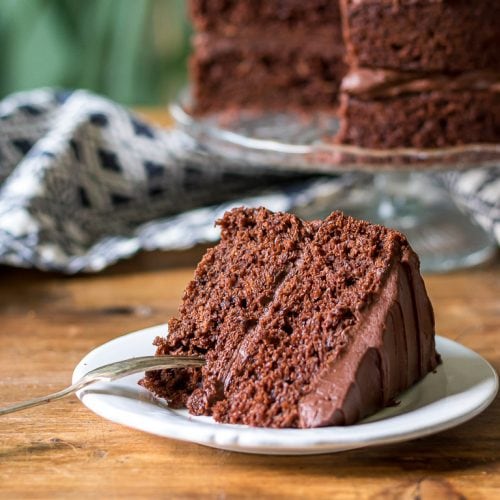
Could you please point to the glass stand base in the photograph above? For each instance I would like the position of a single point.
(443, 236)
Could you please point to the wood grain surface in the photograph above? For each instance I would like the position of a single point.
(48, 322)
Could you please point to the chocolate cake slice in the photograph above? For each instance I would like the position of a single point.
(302, 324)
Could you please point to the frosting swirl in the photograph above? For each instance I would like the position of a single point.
(373, 83)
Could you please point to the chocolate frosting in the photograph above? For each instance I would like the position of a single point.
(326, 39)
(393, 347)
(373, 83)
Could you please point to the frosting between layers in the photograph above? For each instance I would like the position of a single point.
(327, 39)
(373, 83)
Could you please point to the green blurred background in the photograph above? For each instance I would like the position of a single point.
(133, 51)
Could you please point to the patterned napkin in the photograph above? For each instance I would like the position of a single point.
(84, 183)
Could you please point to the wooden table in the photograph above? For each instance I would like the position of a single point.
(62, 450)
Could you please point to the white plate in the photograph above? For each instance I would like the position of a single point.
(461, 388)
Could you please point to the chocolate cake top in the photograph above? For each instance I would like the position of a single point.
(375, 83)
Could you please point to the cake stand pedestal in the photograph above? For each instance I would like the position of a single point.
(404, 193)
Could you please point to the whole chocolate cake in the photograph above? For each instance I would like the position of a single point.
(415, 73)
(302, 324)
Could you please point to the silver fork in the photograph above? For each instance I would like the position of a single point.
(108, 373)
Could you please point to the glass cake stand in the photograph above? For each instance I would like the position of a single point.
(403, 192)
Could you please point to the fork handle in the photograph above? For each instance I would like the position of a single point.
(108, 373)
(41, 400)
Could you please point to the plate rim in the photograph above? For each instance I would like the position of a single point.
(316, 440)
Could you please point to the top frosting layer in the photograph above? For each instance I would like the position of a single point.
(373, 83)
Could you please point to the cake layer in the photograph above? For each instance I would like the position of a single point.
(423, 35)
(427, 119)
(286, 73)
(230, 17)
(302, 324)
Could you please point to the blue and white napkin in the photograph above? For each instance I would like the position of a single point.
(84, 183)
